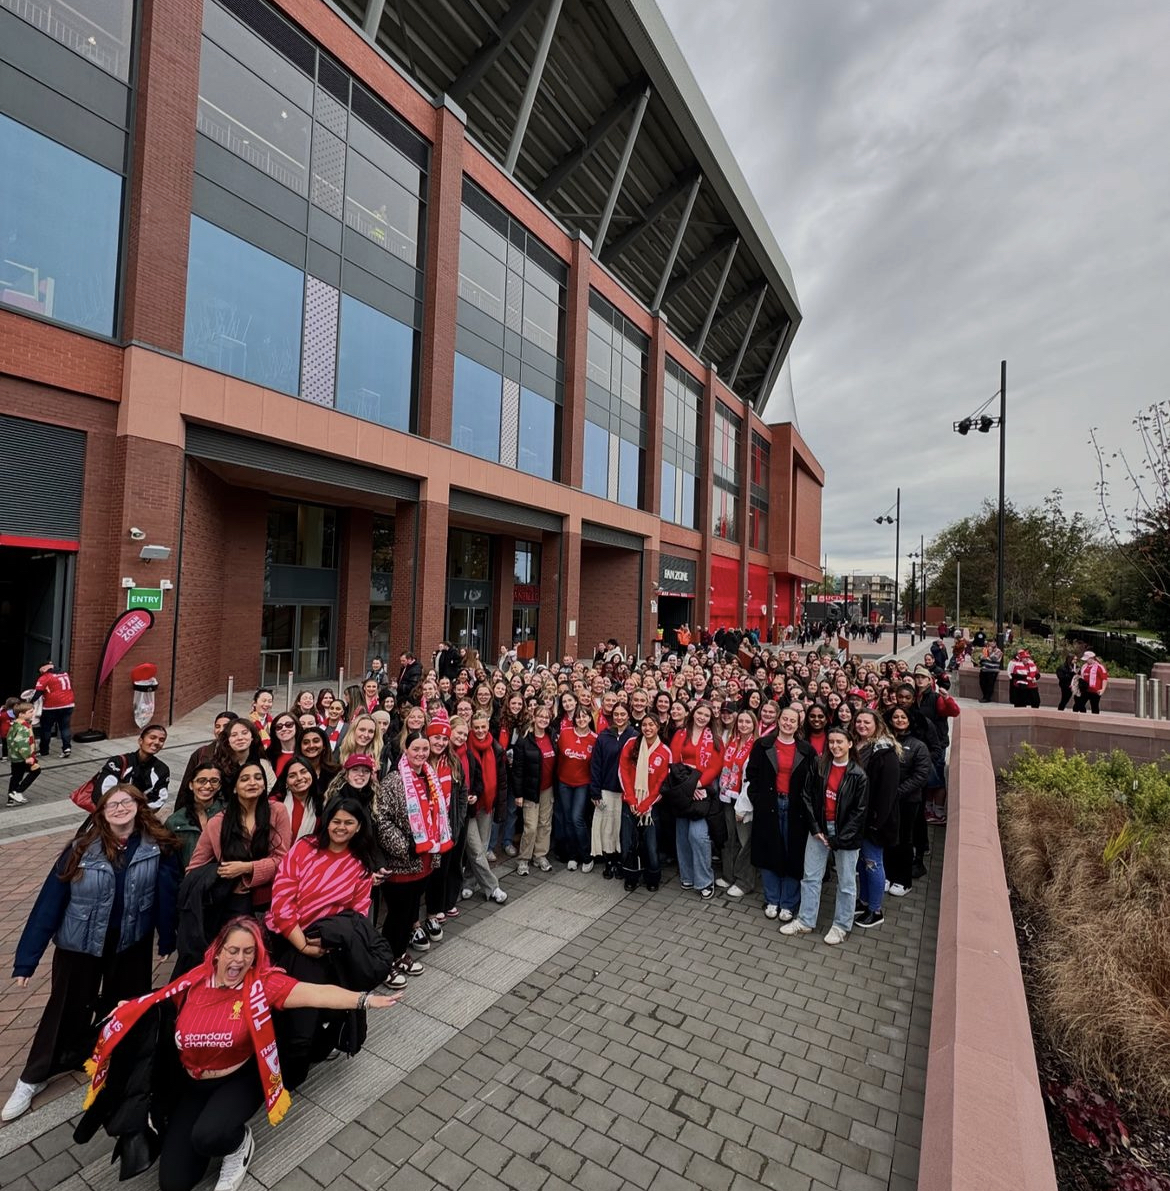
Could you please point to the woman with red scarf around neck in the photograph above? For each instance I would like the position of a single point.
(489, 769)
(739, 877)
(227, 1049)
(454, 774)
(642, 768)
(574, 751)
(414, 832)
(534, 760)
(697, 745)
(776, 772)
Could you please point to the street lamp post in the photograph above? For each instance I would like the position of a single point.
(913, 592)
(983, 423)
(896, 522)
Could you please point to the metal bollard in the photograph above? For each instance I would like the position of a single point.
(288, 699)
(1139, 686)
(231, 691)
(340, 681)
(1155, 699)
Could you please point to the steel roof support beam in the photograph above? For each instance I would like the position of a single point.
(627, 98)
(773, 367)
(738, 302)
(619, 175)
(483, 58)
(676, 244)
(373, 18)
(712, 252)
(715, 297)
(537, 73)
(746, 336)
(680, 185)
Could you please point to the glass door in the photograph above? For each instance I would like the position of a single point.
(468, 627)
(296, 637)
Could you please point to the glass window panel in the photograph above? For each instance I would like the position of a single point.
(380, 209)
(483, 234)
(547, 284)
(670, 409)
(688, 509)
(669, 509)
(252, 120)
(378, 631)
(102, 34)
(481, 278)
(243, 311)
(60, 216)
(629, 473)
(598, 359)
(385, 157)
(259, 57)
(690, 426)
(475, 410)
(537, 434)
(595, 460)
(468, 555)
(374, 365)
(541, 319)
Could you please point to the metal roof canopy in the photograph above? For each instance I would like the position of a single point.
(599, 58)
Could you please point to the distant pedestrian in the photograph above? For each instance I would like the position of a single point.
(990, 664)
(22, 753)
(55, 687)
(1093, 681)
(1024, 680)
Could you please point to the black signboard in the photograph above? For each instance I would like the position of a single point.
(676, 576)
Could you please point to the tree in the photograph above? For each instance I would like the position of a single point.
(1138, 522)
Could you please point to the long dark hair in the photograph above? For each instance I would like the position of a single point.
(233, 843)
(273, 751)
(224, 759)
(145, 825)
(316, 798)
(328, 766)
(363, 847)
(185, 799)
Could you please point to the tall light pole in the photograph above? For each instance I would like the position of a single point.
(983, 423)
(896, 522)
(922, 574)
(914, 556)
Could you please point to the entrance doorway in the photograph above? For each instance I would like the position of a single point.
(295, 637)
(467, 627)
(36, 609)
(673, 613)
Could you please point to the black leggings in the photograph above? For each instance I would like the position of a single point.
(402, 900)
(208, 1122)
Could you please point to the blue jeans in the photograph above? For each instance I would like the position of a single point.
(505, 832)
(640, 848)
(871, 874)
(569, 822)
(693, 842)
(780, 891)
(816, 859)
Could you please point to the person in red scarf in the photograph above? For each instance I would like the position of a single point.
(488, 760)
(698, 746)
(414, 831)
(1023, 680)
(739, 876)
(642, 769)
(454, 780)
(227, 1047)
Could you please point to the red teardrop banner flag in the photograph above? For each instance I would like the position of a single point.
(123, 635)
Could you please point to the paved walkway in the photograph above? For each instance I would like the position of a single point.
(580, 1036)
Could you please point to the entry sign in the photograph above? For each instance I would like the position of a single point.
(144, 597)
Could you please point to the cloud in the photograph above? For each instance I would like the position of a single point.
(953, 185)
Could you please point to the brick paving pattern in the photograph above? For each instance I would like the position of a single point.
(580, 1037)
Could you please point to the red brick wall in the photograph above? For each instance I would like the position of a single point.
(59, 358)
(430, 582)
(353, 596)
(610, 590)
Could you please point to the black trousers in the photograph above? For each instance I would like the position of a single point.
(60, 718)
(899, 858)
(987, 681)
(303, 1036)
(82, 990)
(21, 777)
(1065, 695)
(208, 1122)
(1093, 702)
(402, 900)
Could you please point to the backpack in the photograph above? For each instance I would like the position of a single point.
(83, 796)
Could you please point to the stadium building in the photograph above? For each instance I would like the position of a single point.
(332, 329)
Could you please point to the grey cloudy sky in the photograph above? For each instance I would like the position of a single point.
(954, 184)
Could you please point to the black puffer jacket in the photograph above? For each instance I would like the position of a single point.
(914, 769)
(881, 765)
(525, 773)
(768, 848)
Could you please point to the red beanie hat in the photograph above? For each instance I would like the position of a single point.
(440, 725)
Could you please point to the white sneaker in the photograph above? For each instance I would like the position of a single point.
(491, 856)
(22, 1095)
(836, 935)
(795, 927)
(522, 868)
(571, 866)
(509, 849)
(235, 1165)
(897, 890)
(785, 915)
(498, 896)
(735, 891)
(17, 799)
(770, 911)
(587, 867)
(721, 883)
(465, 893)
(543, 864)
(887, 887)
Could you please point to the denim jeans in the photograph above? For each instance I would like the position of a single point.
(640, 847)
(505, 832)
(871, 874)
(780, 891)
(694, 852)
(569, 822)
(816, 859)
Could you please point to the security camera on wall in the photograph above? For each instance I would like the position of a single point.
(136, 534)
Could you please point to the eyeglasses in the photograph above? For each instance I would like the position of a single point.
(119, 804)
(205, 781)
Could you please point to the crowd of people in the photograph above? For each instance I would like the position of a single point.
(312, 855)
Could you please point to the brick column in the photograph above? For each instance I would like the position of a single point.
(441, 285)
(353, 591)
(706, 465)
(430, 574)
(560, 590)
(576, 350)
(504, 571)
(650, 564)
(161, 174)
(655, 375)
(403, 612)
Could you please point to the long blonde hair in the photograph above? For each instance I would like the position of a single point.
(349, 745)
